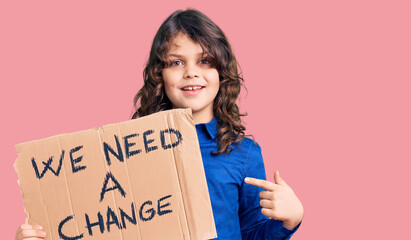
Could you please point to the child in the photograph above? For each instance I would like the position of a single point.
(192, 65)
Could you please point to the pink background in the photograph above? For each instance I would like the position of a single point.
(328, 94)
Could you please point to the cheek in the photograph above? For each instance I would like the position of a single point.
(168, 80)
(169, 90)
(213, 79)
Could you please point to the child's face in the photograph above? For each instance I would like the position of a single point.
(190, 81)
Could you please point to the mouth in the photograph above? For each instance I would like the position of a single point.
(192, 88)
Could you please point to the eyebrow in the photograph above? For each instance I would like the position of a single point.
(178, 55)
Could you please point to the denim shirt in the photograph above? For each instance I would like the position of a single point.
(235, 204)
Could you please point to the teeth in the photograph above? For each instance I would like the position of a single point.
(192, 88)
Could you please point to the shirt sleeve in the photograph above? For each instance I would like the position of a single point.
(254, 225)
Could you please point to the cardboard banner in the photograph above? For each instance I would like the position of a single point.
(139, 179)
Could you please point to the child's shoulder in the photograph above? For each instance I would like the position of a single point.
(250, 152)
(248, 144)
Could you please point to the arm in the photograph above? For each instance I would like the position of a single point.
(257, 218)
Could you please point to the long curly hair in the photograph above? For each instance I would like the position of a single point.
(151, 98)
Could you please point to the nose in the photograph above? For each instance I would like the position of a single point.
(191, 71)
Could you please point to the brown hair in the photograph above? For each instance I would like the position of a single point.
(152, 98)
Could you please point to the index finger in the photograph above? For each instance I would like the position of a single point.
(267, 185)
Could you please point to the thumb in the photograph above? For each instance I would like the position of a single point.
(277, 179)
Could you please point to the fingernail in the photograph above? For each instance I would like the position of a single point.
(246, 179)
(43, 234)
(39, 227)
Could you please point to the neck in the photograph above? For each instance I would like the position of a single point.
(202, 118)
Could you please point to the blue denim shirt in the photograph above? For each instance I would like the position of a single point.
(236, 205)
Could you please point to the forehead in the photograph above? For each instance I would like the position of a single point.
(183, 43)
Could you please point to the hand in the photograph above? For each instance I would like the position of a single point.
(30, 232)
(279, 201)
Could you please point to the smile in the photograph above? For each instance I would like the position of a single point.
(192, 88)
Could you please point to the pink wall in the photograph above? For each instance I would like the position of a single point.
(328, 94)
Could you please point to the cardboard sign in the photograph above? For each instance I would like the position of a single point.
(139, 179)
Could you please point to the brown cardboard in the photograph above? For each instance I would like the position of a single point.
(161, 180)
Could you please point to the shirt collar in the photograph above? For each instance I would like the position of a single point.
(210, 127)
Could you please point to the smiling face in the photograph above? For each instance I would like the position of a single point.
(190, 81)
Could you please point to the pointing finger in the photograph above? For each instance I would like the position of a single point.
(260, 183)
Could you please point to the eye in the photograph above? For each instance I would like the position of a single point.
(204, 61)
(176, 63)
